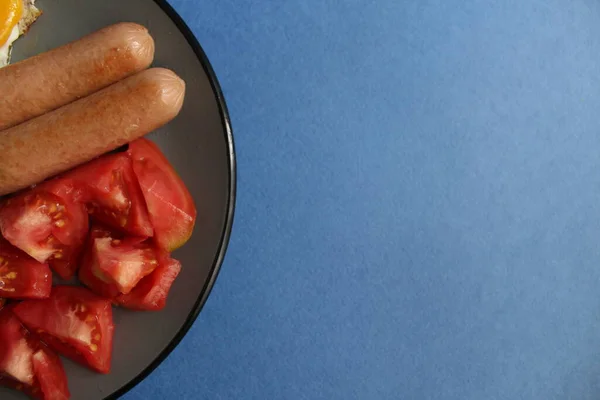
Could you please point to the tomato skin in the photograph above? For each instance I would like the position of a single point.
(28, 365)
(48, 223)
(86, 272)
(114, 264)
(50, 375)
(123, 262)
(22, 277)
(170, 205)
(74, 322)
(72, 238)
(112, 194)
(15, 350)
(151, 293)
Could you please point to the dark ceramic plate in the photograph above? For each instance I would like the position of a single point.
(200, 146)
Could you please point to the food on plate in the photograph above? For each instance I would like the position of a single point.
(50, 223)
(150, 294)
(76, 133)
(113, 195)
(51, 376)
(47, 223)
(75, 323)
(122, 262)
(27, 364)
(73, 205)
(172, 210)
(87, 274)
(22, 277)
(52, 79)
(16, 16)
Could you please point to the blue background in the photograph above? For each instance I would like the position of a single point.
(419, 203)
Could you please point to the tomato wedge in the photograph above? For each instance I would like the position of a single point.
(114, 264)
(123, 262)
(88, 266)
(26, 364)
(113, 195)
(74, 322)
(22, 277)
(171, 207)
(47, 223)
(50, 375)
(15, 350)
(152, 291)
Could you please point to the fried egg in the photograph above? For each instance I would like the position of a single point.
(16, 16)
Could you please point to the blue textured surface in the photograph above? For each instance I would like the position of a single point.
(419, 203)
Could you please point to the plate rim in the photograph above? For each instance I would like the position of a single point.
(231, 201)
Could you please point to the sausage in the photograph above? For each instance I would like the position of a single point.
(78, 132)
(52, 79)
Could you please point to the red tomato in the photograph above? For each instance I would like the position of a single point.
(113, 262)
(22, 277)
(113, 194)
(122, 262)
(26, 364)
(50, 375)
(47, 223)
(152, 291)
(171, 207)
(74, 322)
(86, 272)
(15, 350)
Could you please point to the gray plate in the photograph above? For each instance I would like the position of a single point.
(200, 146)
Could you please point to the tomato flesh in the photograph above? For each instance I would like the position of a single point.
(51, 375)
(113, 195)
(151, 293)
(88, 266)
(48, 224)
(74, 322)
(170, 205)
(26, 364)
(123, 263)
(15, 350)
(145, 210)
(22, 277)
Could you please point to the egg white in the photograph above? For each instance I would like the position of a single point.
(30, 15)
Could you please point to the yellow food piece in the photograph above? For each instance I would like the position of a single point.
(11, 12)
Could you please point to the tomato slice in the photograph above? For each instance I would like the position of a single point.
(74, 322)
(15, 350)
(114, 264)
(113, 194)
(152, 291)
(26, 364)
(21, 276)
(171, 207)
(88, 266)
(47, 223)
(50, 375)
(123, 262)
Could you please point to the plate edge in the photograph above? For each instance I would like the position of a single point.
(226, 233)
